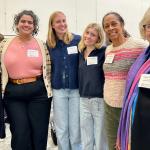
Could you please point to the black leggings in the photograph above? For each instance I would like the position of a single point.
(28, 110)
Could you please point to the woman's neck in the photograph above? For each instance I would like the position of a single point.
(119, 41)
(60, 36)
(88, 50)
(24, 38)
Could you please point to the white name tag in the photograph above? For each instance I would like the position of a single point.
(72, 50)
(32, 53)
(92, 60)
(144, 81)
(109, 58)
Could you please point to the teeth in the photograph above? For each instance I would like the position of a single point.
(113, 33)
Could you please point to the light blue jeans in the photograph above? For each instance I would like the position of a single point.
(66, 118)
(93, 134)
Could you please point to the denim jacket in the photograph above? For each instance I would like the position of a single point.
(65, 64)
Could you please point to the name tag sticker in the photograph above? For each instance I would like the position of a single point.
(92, 60)
(144, 81)
(32, 53)
(109, 58)
(72, 50)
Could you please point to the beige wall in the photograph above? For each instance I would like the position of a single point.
(79, 12)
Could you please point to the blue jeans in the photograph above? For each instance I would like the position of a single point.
(66, 118)
(93, 134)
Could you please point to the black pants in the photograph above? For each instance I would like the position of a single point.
(140, 133)
(28, 110)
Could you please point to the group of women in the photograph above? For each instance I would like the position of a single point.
(90, 84)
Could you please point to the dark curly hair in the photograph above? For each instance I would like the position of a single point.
(18, 16)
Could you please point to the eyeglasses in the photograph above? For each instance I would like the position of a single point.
(146, 27)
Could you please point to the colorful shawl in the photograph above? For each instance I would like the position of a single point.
(141, 66)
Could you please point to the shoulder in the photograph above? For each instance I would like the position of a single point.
(137, 43)
(42, 44)
(131, 43)
(76, 37)
(103, 48)
(81, 54)
(147, 50)
(109, 48)
(39, 41)
(100, 51)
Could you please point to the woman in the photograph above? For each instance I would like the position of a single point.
(26, 89)
(135, 118)
(120, 55)
(63, 50)
(91, 81)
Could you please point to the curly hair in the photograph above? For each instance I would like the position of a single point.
(18, 16)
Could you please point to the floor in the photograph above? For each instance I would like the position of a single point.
(5, 143)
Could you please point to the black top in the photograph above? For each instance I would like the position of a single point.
(140, 137)
(91, 77)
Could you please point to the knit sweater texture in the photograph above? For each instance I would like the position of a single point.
(116, 72)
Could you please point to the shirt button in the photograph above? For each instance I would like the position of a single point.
(64, 57)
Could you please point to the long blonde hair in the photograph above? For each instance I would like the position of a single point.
(100, 41)
(52, 37)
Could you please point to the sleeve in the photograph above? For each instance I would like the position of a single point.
(2, 124)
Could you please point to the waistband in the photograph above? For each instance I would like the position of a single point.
(25, 80)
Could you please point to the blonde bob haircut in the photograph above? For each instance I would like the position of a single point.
(100, 41)
(145, 20)
(52, 37)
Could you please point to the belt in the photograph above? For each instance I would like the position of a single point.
(24, 80)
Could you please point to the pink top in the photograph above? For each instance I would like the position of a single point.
(23, 60)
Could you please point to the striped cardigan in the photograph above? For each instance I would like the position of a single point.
(116, 72)
(4, 76)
